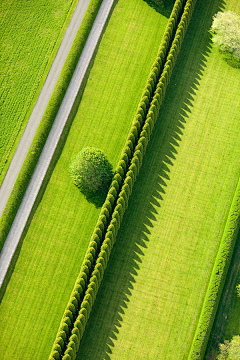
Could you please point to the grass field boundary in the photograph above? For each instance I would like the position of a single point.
(85, 290)
(217, 280)
(47, 120)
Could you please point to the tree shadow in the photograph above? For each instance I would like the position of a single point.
(161, 6)
(149, 190)
(230, 59)
(97, 198)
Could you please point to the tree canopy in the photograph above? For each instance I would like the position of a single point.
(92, 173)
(226, 32)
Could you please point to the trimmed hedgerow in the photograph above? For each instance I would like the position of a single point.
(47, 120)
(217, 279)
(105, 232)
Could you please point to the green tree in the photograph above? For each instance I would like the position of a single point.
(226, 32)
(230, 350)
(92, 173)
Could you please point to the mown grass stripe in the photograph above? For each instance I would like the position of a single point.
(217, 279)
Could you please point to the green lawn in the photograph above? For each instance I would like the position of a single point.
(227, 321)
(30, 32)
(153, 289)
(56, 241)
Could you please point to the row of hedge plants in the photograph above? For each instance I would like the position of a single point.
(47, 120)
(217, 279)
(85, 290)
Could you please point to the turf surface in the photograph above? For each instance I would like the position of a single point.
(30, 32)
(56, 241)
(227, 321)
(151, 296)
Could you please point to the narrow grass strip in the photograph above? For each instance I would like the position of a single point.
(48, 118)
(88, 282)
(217, 279)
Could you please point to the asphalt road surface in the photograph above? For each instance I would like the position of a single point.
(51, 143)
(41, 104)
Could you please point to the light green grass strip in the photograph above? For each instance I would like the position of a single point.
(61, 227)
(31, 33)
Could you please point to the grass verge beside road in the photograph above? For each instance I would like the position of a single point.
(56, 241)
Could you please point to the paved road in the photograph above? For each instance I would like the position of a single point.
(51, 143)
(41, 104)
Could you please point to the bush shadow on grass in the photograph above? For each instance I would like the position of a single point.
(162, 7)
(96, 198)
(228, 308)
(149, 191)
(54, 161)
(230, 59)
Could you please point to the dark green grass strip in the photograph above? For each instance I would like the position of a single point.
(47, 121)
(86, 287)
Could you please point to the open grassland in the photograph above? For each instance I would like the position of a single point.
(56, 241)
(30, 32)
(152, 293)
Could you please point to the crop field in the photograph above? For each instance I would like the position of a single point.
(153, 289)
(57, 238)
(30, 32)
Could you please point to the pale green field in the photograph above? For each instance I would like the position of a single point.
(31, 32)
(57, 239)
(153, 289)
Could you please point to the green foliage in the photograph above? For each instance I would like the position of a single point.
(230, 350)
(92, 173)
(238, 290)
(225, 31)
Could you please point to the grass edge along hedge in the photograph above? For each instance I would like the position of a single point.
(217, 279)
(47, 120)
(85, 290)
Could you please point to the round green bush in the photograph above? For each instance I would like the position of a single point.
(92, 173)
